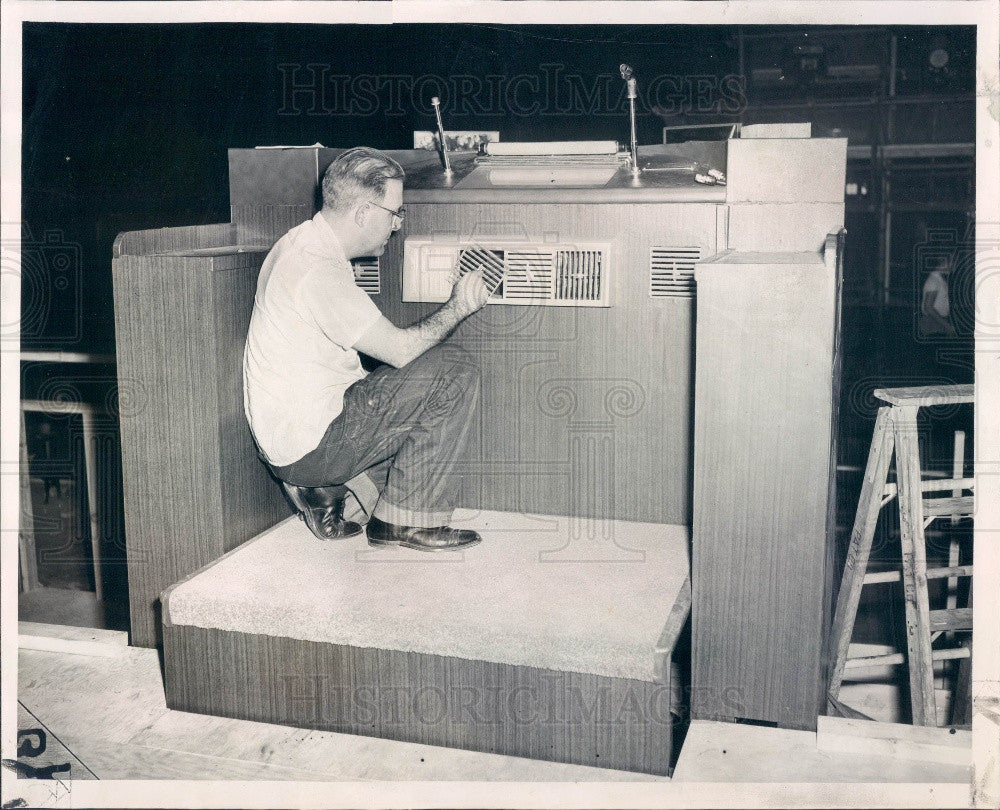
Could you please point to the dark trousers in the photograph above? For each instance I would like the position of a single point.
(400, 439)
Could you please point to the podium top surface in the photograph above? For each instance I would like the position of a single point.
(290, 175)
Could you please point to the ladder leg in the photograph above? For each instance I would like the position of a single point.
(957, 471)
(961, 702)
(865, 520)
(911, 529)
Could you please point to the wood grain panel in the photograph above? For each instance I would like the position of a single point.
(251, 498)
(191, 487)
(783, 226)
(159, 240)
(833, 258)
(787, 170)
(618, 379)
(266, 224)
(273, 177)
(761, 485)
(475, 705)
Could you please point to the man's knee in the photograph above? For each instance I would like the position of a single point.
(453, 363)
(465, 367)
(454, 380)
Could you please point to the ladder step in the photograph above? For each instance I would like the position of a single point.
(957, 619)
(950, 571)
(922, 396)
(934, 485)
(949, 506)
(878, 577)
(899, 658)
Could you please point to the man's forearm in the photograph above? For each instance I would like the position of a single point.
(427, 333)
(398, 347)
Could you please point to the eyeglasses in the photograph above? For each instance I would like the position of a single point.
(399, 214)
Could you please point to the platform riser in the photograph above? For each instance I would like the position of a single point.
(476, 705)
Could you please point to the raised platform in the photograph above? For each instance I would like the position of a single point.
(551, 639)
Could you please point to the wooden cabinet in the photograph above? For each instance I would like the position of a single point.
(762, 535)
(192, 484)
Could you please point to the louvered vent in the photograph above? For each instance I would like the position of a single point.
(366, 274)
(489, 262)
(529, 276)
(671, 271)
(578, 275)
(566, 274)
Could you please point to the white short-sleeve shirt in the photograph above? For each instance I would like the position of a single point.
(307, 315)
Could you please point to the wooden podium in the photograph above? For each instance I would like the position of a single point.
(598, 413)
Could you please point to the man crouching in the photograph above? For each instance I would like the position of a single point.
(387, 443)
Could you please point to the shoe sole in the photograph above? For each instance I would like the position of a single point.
(376, 542)
(419, 547)
(372, 542)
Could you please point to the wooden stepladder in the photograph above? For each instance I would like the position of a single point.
(896, 433)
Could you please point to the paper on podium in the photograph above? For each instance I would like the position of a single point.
(316, 145)
(552, 148)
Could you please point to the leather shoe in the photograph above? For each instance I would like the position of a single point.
(323, 511)
(438, 538)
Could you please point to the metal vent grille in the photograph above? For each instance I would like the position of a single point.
(490, 262)
(578, 275)
(671, 271)
(366, 274)
(529, 276)
(517, 271)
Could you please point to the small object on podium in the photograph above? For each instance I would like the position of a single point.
(713, 177)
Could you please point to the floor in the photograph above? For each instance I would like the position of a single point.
(101, 707)
(729, 752)
(71, 607)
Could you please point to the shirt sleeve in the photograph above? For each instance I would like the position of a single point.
(342, 310)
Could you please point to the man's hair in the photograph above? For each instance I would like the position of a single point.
(358, 175)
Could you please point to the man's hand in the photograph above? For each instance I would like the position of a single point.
(470, 293)
(397, 347)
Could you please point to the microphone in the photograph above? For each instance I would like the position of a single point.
(441, 135)
(629, 77)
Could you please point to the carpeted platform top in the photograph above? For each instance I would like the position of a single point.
(552, 592)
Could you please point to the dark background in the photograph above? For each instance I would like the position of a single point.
(127, 126)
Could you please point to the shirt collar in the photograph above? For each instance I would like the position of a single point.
(328, 238)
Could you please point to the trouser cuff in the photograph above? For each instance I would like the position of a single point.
(360, 503)
(401, 516)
